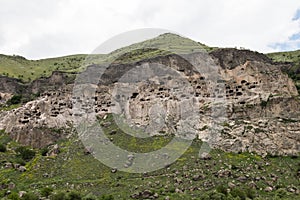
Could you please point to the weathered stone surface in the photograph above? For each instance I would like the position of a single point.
(252, 106)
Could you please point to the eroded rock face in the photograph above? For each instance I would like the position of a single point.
(248, 105)
(41, 122)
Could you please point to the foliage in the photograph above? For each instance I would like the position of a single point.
(45, 192)
(238, 192)
(106, 197)
(30, 196)
(89, 176)
(16, 99)
(73, 196)
(25, 153)
(44, 151)
(90, 196)
(2, 147)
(263, 103)
(58, 196)
(13, 196)
(222, 189)
(29, 70)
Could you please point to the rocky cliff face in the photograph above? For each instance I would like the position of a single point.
(247, 105)
(16, 86)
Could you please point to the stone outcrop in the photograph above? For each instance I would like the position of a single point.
(247, 105)
(13, 86)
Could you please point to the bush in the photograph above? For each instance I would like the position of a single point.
(218, 196)
(236, 192)
(46, 192)
(25, 153)
(16, 99)
(19, 160)
(90, 197)
(73, 196)
(44, 151)
(222, 189)
(250, 193)
(58, 196)
(213, 195)
(107, 197)
(13, 196)
(263, 103)
(4, 139)
(281, 193)
(2, 148)
(30, 196)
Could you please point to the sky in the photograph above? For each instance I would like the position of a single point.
(49, 28)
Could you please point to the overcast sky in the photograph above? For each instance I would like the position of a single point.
(48, 28)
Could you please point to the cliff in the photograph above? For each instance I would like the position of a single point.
(237, 101)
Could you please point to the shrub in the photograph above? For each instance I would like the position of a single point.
(19, 160)
(30, 196)
(212, 195)
(4, 139)
(44, 151)
(2, 148)
(58, 196)
(222, 189)
(73, 196)
(172, 190)
(263, 103)
(281, 193)
(218, 196)
(13, 196)
(250, 193)
(90, 197)
(204, 197)
(25, 153)
(16, 99)
(236, 192)
(106, 197)
(46, 192)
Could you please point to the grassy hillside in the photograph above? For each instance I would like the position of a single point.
(28, 70)
(74, 172)
(166, 42)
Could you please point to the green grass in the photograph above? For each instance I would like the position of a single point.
(29, 70)
(164, 43)
(73, 170)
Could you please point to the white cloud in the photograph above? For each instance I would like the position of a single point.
(38, 29)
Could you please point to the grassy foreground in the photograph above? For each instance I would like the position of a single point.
(75, 174)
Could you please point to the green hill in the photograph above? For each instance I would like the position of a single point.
(28, 70)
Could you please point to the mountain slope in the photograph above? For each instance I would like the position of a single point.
(29, 70)
(249, 114)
